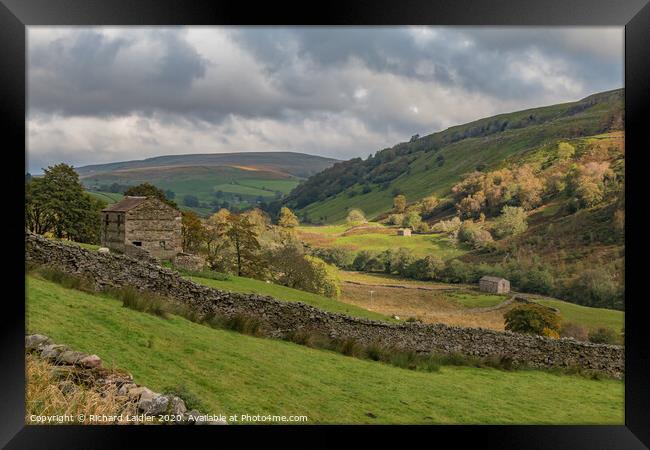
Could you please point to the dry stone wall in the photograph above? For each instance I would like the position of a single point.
(280, 318)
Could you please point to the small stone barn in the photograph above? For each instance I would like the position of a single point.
(494, 285)
(404, 232)
(145, 223)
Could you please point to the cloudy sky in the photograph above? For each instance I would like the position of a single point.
(110, 94)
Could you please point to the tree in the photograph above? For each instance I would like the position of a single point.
(356, 216)
(57, 202)
(399, 203)
(511, 222)
(429, 204)
(289, 266)
(287, 218)
(37, 217)
(532, 319)
(427, 268)
(149, 190)
(191, 201)
(412, 220)
(192, 232)
(243, 239)
(258, 219)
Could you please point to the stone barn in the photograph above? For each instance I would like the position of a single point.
(494, 285)
(135, 224)
(404, 232)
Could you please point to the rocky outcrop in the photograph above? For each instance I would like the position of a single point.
(74, 367)
(280, 319)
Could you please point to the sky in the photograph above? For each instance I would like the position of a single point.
(101, 94)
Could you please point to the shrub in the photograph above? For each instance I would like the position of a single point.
(473, 235)
(142, 301)
(603, 336)
(575, 331)
(449, 227)
(67, 280)
(532, 319)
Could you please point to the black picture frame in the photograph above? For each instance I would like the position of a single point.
(15, 15)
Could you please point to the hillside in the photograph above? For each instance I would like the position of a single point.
(232, 373)
(433, 164)
(226, 179)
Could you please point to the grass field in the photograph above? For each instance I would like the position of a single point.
(249, 285)
(107, 197)
(589, 317)
(202, 182)
(378, 238)
(452, 303)
(236, 374)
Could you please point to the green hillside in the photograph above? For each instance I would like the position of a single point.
(230, 179)
(433, 164)
(233, 373)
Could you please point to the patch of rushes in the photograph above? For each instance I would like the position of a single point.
(429, 362)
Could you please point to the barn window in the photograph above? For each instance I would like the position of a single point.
(119, 220)
(106, 219)
(163, 244)
(137, 243)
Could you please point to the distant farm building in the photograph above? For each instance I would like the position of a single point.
(494, 285)
(404, 232)
(135, 224)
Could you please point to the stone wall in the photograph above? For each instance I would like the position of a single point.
(186, 261)
(280, 318)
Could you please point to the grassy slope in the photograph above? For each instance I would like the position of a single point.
(249, 285)
(202, 182)
(234, 374)
(107, 197)
(424, 177)
(589, 317)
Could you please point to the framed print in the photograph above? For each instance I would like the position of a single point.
(386, 218)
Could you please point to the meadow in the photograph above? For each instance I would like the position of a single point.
(377, 238)
(233, 373)
(248, 286)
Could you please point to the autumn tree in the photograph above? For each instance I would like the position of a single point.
(399, 204)
(149, 190)
(287, 218)
(243, 240)
(192, 232)
(356, 216)
(428, 204)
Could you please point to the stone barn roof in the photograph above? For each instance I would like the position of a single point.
(492, 279)
(126, 204)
